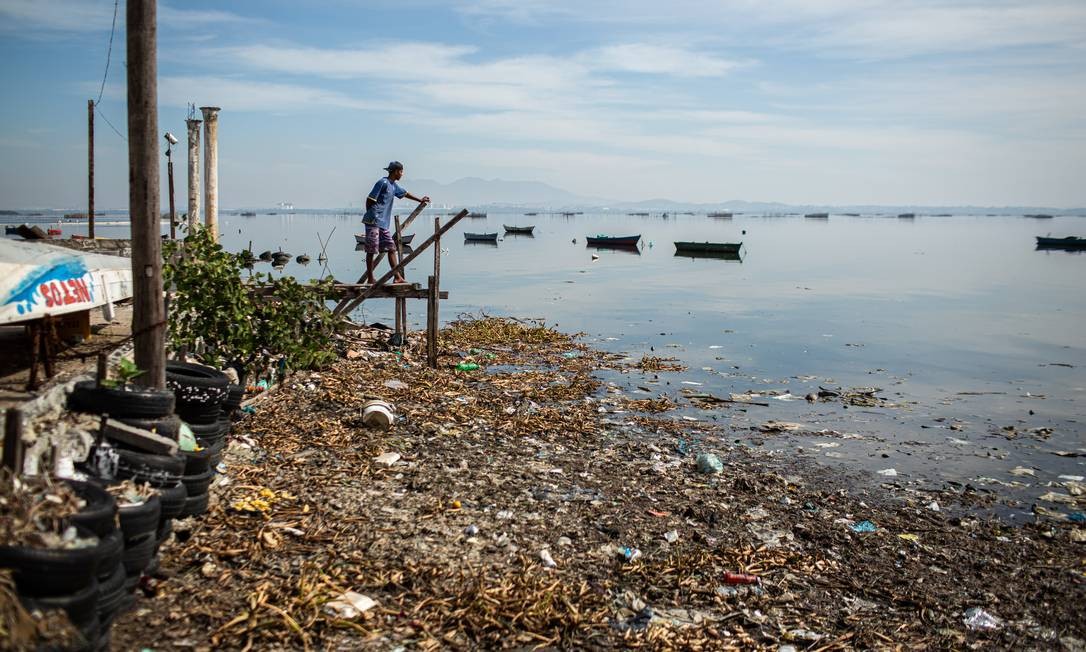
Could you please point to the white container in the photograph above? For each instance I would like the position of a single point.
(378, 414)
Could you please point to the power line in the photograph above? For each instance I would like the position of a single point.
(110, 124)
(109, 54)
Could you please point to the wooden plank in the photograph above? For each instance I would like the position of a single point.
(410, 218)
(139, 438)
(346, 308)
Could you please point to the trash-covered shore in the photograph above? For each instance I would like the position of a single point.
(525, 505)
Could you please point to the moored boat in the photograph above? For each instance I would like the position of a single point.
(1070, 242)
(360, 238)
(907, 216)
(477, 214)
(1040, 216)
(481, 237)
(708, 247)
(721, 214)
(613, 241)
(818, 216)
(524, 230)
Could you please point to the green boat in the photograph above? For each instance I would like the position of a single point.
(1070, 242)
(708, 247)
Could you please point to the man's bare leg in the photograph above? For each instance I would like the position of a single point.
(369, 268)
(393, 260)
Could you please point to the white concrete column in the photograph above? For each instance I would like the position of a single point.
(211, 169)
(194, 172)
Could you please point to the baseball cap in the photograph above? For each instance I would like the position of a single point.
(394, 165)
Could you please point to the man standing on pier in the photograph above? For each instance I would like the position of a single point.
(379, 217)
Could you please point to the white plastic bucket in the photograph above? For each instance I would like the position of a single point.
(378, 414)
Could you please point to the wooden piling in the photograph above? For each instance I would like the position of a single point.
(434, 301)
(90, 169)
(13, 440)
(148, 313)
(400, 302)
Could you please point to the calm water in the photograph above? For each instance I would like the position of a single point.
(958, 319)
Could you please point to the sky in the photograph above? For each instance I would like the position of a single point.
(919, 102)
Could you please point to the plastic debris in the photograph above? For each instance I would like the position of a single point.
(350, 605)
(671, 536)
(933, 506)
(890, 473)
(741, 578)
(709, 463)
(629, 554)
(979, 619)
(911, 538)
(471, 530)
(569, 355)
(636, 623)
(393, 383)
(467, 366)
(863, 526)
(1076, 517)
(387, 459)
(545, 557)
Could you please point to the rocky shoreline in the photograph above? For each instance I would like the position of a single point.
(526, 505)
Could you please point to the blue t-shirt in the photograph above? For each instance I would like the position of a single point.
(383, 193)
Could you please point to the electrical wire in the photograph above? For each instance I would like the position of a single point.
(109, 54)
(110, 124)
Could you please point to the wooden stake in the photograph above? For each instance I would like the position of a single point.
(90, 169)
(400, 302)
(13, 440)
(103, 369)
(433, 307)
(148, 313)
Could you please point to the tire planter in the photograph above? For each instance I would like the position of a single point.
(80, 607)
(198, 484)
(112, 552)
(141, 402)
(212, 431)
(138, 520)
(100, 513)
(234, 395)
(215, 450)
(138, 553)
(168, 426)
(158, 470)
(172, 499)
(42, 572)
(197, 461)
(200, 390)
(195, 505)
(111, 594)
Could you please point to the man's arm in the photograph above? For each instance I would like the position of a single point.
(421, 200)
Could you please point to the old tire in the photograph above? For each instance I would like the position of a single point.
(136, 402)
(138, 520)
(168, 426)
(173, 500)
(138, 553)
(81, 607)
(42, 572)
(198, 484)
(100, 513)
(195, 505)
(112, 552)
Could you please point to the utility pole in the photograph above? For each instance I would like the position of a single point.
(211, 169)
(90, 169)
(148, 311)
(169, 174)
(194, 173)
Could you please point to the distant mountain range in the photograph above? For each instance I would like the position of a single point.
(473, 192)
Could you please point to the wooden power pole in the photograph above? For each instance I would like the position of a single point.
(148, 312)
(90, 169)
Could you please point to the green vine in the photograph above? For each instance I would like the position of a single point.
(213, 307)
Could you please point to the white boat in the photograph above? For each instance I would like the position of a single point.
(39, 280)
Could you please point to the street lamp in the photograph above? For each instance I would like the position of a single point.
(171, 140)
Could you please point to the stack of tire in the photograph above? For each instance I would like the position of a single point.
(205, 399)
(145, 526)
(87, 583)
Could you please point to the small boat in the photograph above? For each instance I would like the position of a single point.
(302, 259)
(851, 214)
(907, 216)
(265, 256)
(568, 214)
(721, 214)
(52, 231)
(1070, 242)
(11, 229)
(481, 237)
(531, 214)
(638, 214)
(248, 214)
(1040, 216)
(613, 241)
(818, 216)
(708, 247)
(715, 255)
(476, 214)
(523, 230)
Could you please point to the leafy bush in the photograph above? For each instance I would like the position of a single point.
(214, 307)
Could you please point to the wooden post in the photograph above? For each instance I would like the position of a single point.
(401, 303)
(169, 175)
(148, 312)
(103, 369)
(90, 169)
(13, 440)
(434, 300)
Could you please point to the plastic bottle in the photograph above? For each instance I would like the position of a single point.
(740, 578)
(467, 366)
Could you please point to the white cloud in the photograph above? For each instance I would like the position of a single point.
(248, 95)
(87, 16)
(658, 60)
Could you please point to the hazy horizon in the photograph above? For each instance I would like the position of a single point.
(843, 103)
